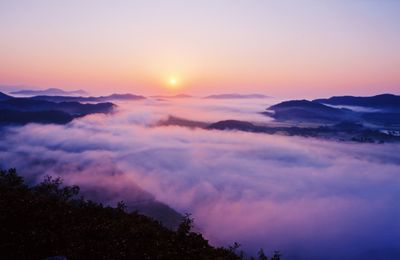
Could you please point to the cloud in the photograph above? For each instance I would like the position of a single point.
(312, 199)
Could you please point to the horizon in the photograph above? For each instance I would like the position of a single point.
(8, 89)
(309, 48)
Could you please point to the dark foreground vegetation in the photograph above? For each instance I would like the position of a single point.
(50, 219)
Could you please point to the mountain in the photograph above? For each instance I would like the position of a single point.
(384, 101)
(317, 112)
(304, 110)
(382, 118)
(4, 96)
(236, 125)
(27, 110)
(342, 131)
(174, 96)
(236, 96)
(113, 97)
(177, 121)
(126, 96)
(50, 92)
(53, 221)
(16, 117)
(72, 108)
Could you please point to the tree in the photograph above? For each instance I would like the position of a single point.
(49, 219)
(185, 226)
(261, 255)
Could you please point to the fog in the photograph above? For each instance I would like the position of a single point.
(308, 198)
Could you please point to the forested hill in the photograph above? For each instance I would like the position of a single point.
(50, 219)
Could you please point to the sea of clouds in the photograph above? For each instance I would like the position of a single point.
(308, 198)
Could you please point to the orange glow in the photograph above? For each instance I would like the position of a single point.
(202, 56)
(173, 83)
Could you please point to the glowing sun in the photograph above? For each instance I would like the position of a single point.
(173, 82)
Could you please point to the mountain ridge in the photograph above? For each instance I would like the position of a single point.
(383, 101)
(108, 98)
(236, 96)
(17, 111)
(319, 111)
(50, 92)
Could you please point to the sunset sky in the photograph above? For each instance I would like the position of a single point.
(281, 48)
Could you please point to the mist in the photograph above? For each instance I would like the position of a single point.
(308, 198)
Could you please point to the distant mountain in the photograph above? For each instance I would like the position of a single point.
(236, 125)
(236, 96)
(384, 101)
(4, 96)
(323, 121)
(176, 121)
(24, 117)
(304, 110)
(343, 131)
(27, 110)
(50, 92)
(73, 108)
(113, 97)
(250, 127)
(173, 96)
(382, 118)
(317, 112)
(121, 97)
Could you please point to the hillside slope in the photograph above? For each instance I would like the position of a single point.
(51, 220)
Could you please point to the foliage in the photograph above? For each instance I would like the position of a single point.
(261, 255)
(50, 219)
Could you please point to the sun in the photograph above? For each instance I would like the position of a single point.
(173, 82)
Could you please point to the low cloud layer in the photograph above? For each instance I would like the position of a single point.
(309, 198)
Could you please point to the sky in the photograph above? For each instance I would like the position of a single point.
(279, 48)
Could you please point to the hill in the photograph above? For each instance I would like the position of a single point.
(50, 92)
(113, 97)
(236, 96)
(316, 111)
(342, 131)
(383, 101)
(41, 117)
(304, 110)
(4, 96)
(25, 110)
(50, 219)
(173, 96)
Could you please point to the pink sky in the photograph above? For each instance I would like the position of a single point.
(280, 48)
